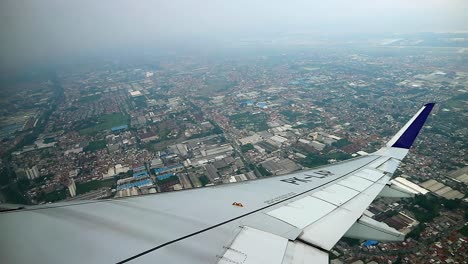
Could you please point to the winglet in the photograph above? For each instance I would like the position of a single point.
(406, 136)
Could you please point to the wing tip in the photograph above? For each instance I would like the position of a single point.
(406, 138)
(430, 104)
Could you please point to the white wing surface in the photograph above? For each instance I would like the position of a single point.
(295, 218)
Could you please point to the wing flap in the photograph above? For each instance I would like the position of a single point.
(300, 253)
(328, 230)
(389, 166)
(368, 228)
(255, 246)
(272, 225)
(325, 232)
(302, 212)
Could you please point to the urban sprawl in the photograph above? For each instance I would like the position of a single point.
(124, 129)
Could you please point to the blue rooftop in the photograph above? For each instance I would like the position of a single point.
(145, 182)
(118, 128)
(168, 168)
(262, 104)
(247, 102)
(370, 243)
(140, 174)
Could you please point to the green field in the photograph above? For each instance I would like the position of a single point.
(247, 147)
(105, 122)
(291, 116)
(53, 196)
(219, 85)
(341, 143)
(253, 122)
(12, 195)
(204, 180)
(96, 145)
(94, 185)
(90, 98)
(314, 159)
(458, 101)
(464, 230)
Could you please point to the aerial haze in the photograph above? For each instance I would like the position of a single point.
(42, 31)
(307, 100)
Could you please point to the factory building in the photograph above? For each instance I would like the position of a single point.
(442, 190)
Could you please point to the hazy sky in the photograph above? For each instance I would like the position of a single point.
(34, 30)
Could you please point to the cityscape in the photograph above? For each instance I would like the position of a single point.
(122, 129)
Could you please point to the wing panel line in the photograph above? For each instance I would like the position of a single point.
(238, 217)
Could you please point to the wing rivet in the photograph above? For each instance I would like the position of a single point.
(237, 204)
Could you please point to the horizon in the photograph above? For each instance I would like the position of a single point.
(39, 32)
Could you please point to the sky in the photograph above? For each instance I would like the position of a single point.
(44, 30)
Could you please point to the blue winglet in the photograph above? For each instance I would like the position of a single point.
(406, 139)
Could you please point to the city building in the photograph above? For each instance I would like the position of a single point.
(32, 173)
(72, 187)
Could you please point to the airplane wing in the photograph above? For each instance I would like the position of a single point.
(295, 218)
